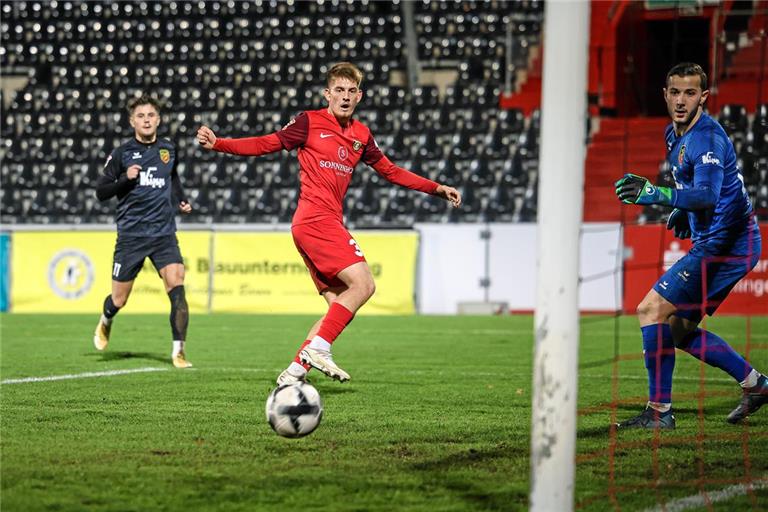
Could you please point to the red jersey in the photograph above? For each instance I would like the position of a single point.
(328, 154)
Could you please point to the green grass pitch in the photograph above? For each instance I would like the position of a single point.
(436, 417)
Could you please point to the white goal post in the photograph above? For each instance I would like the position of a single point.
(556, 319)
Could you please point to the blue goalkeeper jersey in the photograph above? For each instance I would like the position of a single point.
(705, 156)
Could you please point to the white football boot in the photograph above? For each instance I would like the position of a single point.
(180, 360)
(322, 360)
(101, 335)
(288, 377)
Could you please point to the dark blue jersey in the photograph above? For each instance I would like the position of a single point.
(704, 157)
(146, 205)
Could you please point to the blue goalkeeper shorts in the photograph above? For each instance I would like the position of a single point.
(684, 284)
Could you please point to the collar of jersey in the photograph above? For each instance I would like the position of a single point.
(333, 117)
(145, 144)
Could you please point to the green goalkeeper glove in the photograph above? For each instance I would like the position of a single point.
(634, 189)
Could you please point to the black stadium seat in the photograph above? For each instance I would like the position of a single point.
(734, 120)
(246, 68)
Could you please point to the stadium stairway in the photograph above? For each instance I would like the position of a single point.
(621, 145)
(528, 98)
(746, 78)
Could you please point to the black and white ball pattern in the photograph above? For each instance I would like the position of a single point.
(294, 410)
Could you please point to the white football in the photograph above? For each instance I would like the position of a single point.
(294, 410)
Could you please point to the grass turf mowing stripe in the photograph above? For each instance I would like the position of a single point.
(86, 375)
(645, 378)
(420, 429)
(703, 500)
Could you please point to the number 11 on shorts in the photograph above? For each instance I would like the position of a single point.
(116, 269)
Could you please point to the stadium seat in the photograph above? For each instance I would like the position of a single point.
(399, 207)
(479, 174)
(57, 175)
(228, 202)
(734, 120)
(501, 200)
(513, 173)
(267, 202)
(71, 113)
(471, 201)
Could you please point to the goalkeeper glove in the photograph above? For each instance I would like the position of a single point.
(678, 221)
(634, 189)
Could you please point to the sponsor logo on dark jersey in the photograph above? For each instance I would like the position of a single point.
(148, 179)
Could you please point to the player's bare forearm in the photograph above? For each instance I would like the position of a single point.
(449, 194)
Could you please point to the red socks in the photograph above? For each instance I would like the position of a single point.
(298, 360)
(334, 322)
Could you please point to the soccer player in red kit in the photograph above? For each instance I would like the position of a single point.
(330, 144)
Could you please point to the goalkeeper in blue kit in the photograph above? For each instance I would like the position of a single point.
(711, 206)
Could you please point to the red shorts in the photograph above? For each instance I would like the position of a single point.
(327, 249)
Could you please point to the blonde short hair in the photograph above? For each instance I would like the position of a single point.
(344, 70)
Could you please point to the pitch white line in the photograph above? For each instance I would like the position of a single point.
(700, 500)
(86, 375)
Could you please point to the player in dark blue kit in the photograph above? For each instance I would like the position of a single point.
(712, 207)
(142, 174)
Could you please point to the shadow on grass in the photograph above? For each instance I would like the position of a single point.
(119, 356)
(330, 389)
(599, 431)
(596, 364)
(472, 457)
(639, 407)
(480, 497)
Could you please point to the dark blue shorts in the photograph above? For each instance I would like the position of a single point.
(130, 252)
(685, 285)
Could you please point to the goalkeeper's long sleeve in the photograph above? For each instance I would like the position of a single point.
(706, 189)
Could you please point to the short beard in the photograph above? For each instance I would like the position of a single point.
(688, 120)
